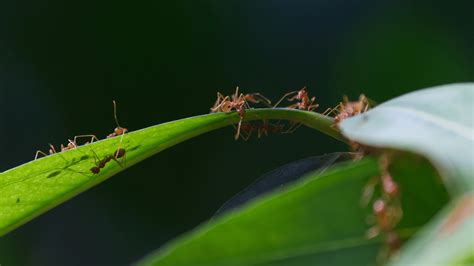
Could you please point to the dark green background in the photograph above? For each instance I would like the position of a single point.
(62, 63)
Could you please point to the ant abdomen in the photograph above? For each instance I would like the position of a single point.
(119, 153)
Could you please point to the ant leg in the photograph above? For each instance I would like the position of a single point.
(258, 98)
(329, 111)
(236, 95)
(264, 131)
(93, 137)
(246, 104)
(218, 101)
(284, 97)
(216, 108)
(247, 137)
(118, 149)
(293, 106)
(117, 161)
(38, 152)
(96, 157)
(237, 134)
(73, 143)
(51, 149)
(366, 108)
(332, 110)
(292, 128)
(312, 107)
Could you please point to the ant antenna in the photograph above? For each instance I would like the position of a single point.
(115, 113)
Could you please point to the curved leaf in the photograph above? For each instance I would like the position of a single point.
(33, 188)
(315, 221)
(436, 123)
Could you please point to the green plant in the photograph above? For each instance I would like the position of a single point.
(427, 134)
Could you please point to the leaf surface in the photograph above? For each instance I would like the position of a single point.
(35, 187)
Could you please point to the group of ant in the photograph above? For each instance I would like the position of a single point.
(99, 163)
(386, 208)
(300, 100)
(238, 102)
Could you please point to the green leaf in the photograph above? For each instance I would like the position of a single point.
(282, 176)
(316, 221)
(436, 123)
(35, 187)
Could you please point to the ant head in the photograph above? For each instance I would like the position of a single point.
(71, 145)
(95, 170)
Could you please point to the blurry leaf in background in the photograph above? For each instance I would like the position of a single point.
(283, 176)
(317, 220)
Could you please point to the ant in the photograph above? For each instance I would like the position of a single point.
(72, 144)
(386, 210)
(349, 109)
(118, 130)
(239, 103)
(304, 102)
(262, 129)
(119, 153)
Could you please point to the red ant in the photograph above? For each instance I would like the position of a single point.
(303, 100)
(119, 153)
(72, 144)
(348, 109)
(118, 130)
(387, 209)
(239, 103)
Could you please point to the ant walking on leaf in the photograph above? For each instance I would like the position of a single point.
(119, 153)
(348, 109)
(303, 102)
(238, 102)
(72, 144)
(99, 164)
